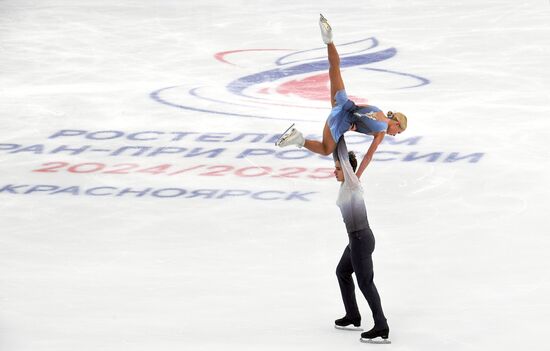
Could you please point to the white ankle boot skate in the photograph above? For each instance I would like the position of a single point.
(291, 137)
(326, 30)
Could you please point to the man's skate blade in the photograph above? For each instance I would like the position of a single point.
(283, 135)
(349, 327)
(375, 341)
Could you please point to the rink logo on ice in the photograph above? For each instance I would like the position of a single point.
(189, 145)
(149, 192)
(297, 79)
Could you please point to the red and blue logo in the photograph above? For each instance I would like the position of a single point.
(297, 79)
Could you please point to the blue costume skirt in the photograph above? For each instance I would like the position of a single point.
(346, 112)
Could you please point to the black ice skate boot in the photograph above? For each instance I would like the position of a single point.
(376, 336)
(348, 324)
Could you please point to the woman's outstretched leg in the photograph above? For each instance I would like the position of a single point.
(328, 144)
(336, 81)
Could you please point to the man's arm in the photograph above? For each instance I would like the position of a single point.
(378, 137)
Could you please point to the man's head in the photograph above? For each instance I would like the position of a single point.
(397, 124)
(338, 172)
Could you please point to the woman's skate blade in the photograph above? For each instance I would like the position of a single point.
(284, 135)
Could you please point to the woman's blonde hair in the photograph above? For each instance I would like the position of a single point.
(400, 118)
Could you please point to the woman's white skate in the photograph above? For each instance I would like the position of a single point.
(326, 30)
(291, 136)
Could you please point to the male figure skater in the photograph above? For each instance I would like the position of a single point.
(357, 256)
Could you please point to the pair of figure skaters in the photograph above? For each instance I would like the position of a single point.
(357, 257)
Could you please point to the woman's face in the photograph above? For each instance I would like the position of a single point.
(338, 173)
(393, 129)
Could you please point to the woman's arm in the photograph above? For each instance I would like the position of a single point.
(378, 137)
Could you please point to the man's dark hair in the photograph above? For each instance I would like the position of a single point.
(352, 160)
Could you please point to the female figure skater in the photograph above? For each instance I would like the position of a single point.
(345, 115)
(357, 256)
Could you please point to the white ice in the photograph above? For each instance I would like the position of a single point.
(461, 259)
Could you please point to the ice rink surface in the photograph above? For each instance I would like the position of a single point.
(145, 207)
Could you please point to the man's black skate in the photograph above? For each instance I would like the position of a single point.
(376, 336)
(348, 324)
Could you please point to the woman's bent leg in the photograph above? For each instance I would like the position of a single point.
(326, 147)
